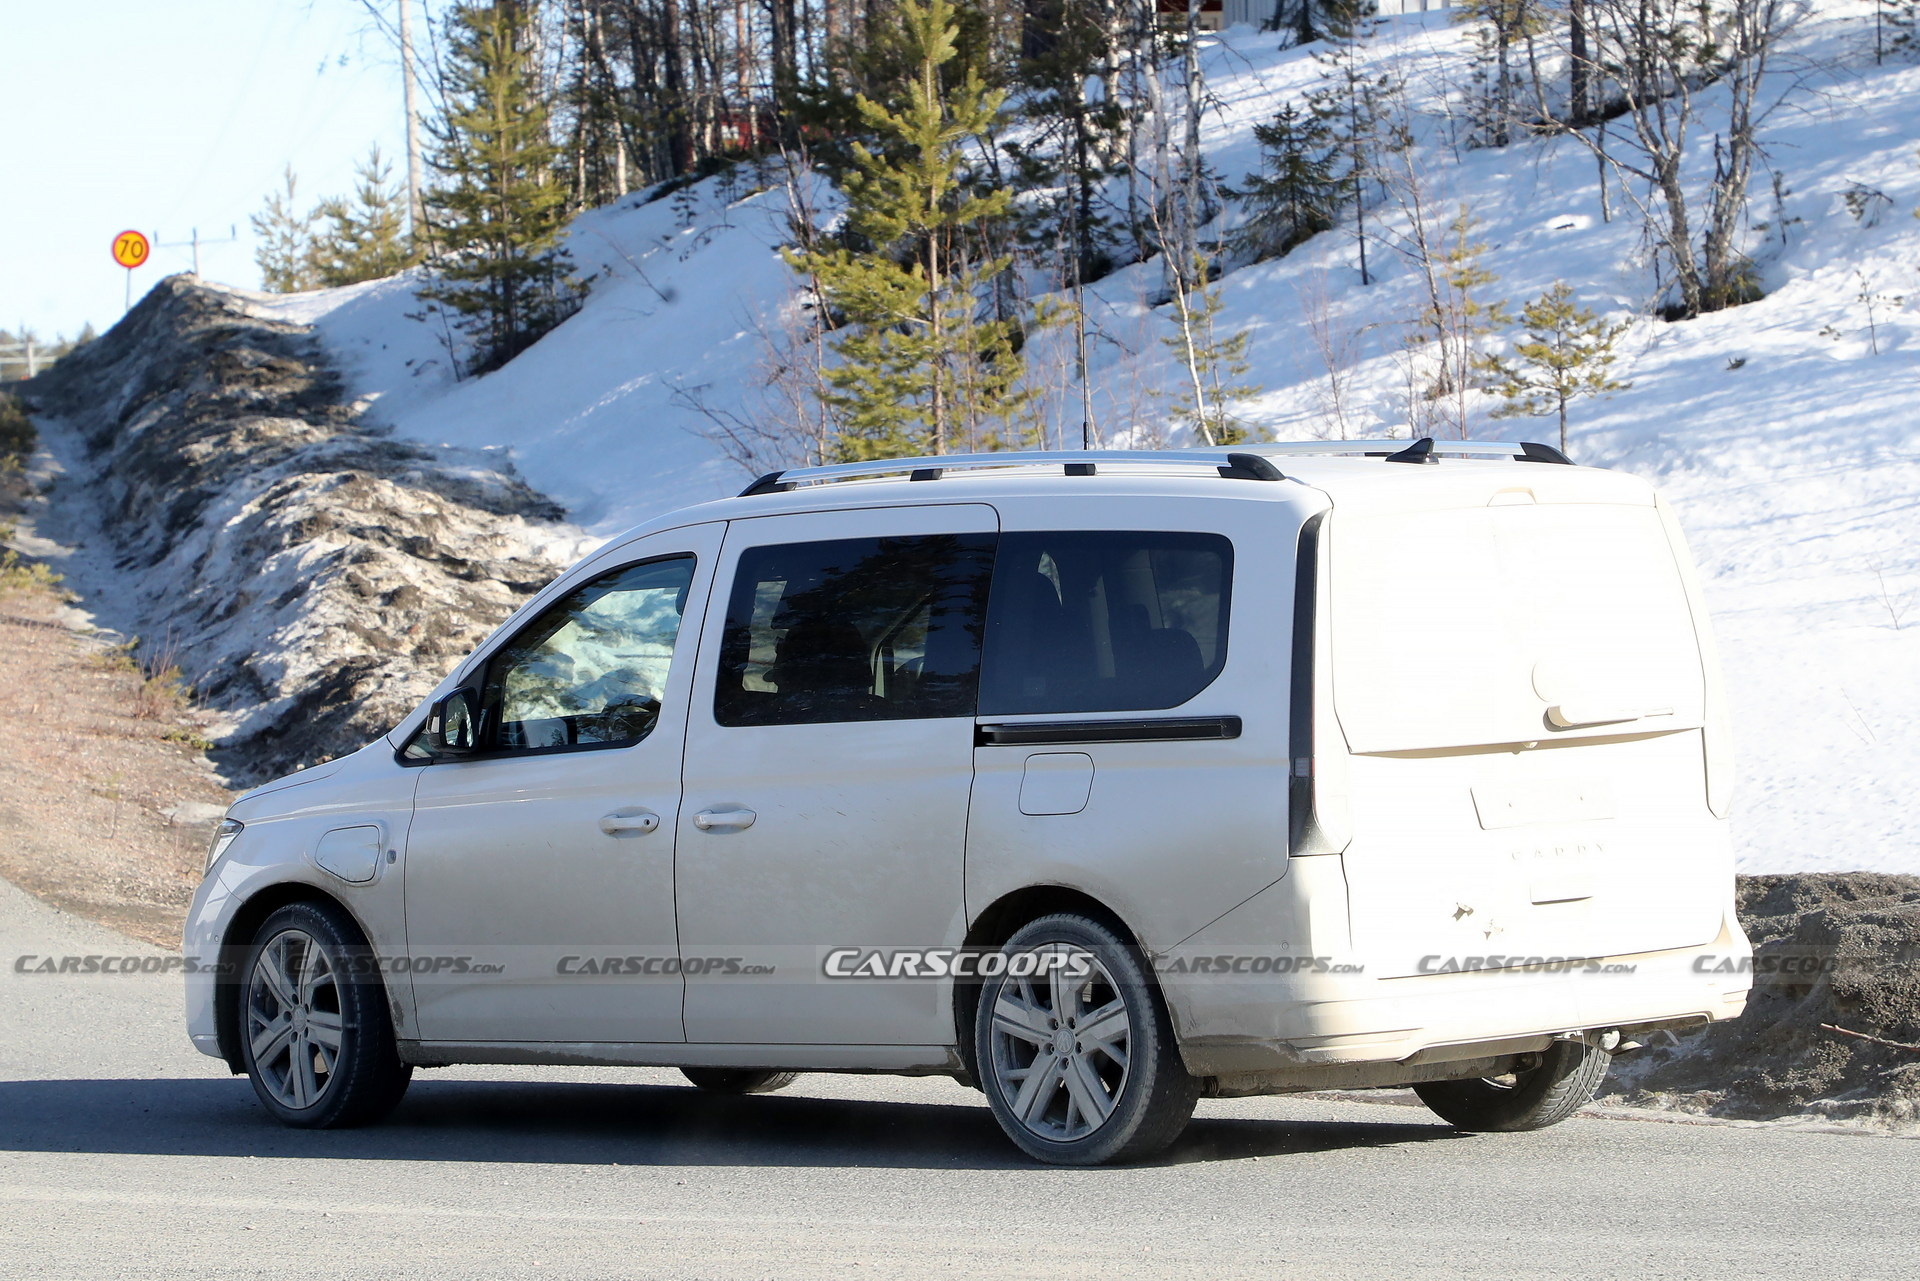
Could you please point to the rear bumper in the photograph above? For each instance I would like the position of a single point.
(1309, 1025)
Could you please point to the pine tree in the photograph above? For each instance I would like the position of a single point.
(918, 369)
(498, 206)
(1295, 195)
(1075, 130)
(1566, 354)
(1493, 106)
(1356, 107)
(1311, 20)
(285, 252)
(1212, 366)
(366, 234)
(882, 63)
(1459, 315)
(1896, 27)
(1070, 136)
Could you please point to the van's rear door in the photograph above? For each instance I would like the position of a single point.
(1520, 682)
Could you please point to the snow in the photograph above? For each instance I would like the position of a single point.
(1788, 446)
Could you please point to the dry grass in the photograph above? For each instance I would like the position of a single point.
(159, 690)
(96, 746)
(17, 574)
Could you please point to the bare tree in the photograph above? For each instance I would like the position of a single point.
(1338, 346)
(1660, 57)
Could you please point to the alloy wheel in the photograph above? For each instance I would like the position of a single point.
(294, 1025)
(1060, 1045)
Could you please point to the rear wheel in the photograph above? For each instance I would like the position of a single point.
(739, 1080)
(1076, 1052)
(1559, 1083)
(315, 1035)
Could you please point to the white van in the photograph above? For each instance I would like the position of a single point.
(1100, 781)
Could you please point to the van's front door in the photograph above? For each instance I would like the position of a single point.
(829, 757)
(549, 854)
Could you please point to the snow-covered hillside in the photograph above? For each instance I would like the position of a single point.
(1789, 445)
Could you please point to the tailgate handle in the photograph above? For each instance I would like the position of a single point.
(1575, 715)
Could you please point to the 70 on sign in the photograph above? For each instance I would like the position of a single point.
(130, 249)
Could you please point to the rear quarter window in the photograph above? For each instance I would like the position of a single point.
(1105, 621)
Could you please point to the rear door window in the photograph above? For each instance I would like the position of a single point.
(855, 629)
(1105, 621)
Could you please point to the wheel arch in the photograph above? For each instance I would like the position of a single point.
(241, 930)
(997, 922)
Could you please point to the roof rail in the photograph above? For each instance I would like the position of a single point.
(1426, 449)
(1248, 462)
(1238, 465)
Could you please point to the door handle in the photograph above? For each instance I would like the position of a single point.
(723, 820)
(621, 822)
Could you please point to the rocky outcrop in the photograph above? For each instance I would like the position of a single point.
(311, 576)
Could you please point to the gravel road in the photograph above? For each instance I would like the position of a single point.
(125, 1154)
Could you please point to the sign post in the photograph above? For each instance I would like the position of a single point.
(130, 250)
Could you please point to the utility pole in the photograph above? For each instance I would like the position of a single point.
(195, 241)
(415, 213)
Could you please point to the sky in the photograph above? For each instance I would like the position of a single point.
(166, 117)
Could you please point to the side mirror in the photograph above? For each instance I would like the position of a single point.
(454, 723)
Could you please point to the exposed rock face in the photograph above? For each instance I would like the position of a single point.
(313, 577)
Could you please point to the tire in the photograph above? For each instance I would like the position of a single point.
(1563, 1082)
(305, 981)
(739, 1080)
(1110, 1084)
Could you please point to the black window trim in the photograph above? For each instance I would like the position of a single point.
(1133, 729)
(478, 664)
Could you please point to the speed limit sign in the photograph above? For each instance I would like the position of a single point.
(130, 249)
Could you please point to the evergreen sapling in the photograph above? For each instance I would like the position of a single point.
(1567, 354)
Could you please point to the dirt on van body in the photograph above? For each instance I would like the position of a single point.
(1840, 949)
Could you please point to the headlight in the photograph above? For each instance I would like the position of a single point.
(222, 837)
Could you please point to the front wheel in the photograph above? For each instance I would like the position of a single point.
(1076, 1051)
(315, 1035)
(1561, 1082)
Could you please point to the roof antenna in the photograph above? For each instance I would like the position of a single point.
(1420, 451)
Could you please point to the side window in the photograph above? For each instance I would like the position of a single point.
(592, 669)
(856, 629)
(1105, 621)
